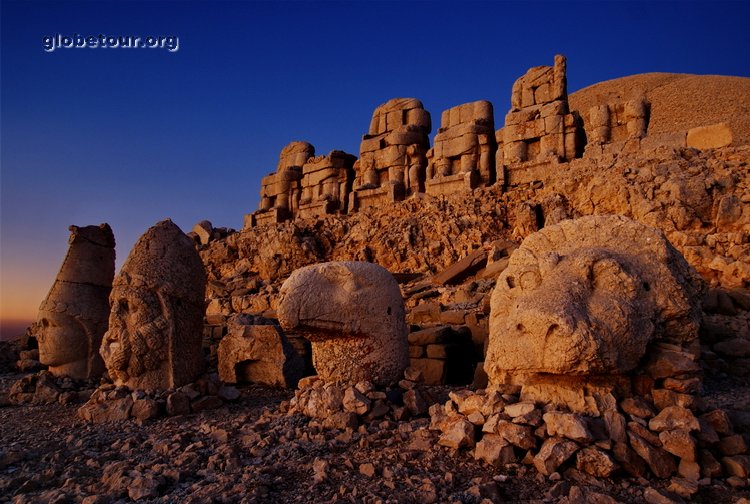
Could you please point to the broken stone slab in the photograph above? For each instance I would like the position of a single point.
(258, 354)
(114, 410)
(666, 363)
(204, 231)
(457, 432)
(733, 445)
(664, 398)
(680, 443)
(521, 436)
(554, 452)
(713, 136)
(355, 401)
(659, 461)
(431, 336)
(433, 370)
(674, 417)
(144, 409)
(737, 465)
(494, 450)
(462, 269)
(568, 425)
(519, 409)
(637, 406)
(629, 460)
(178, 403)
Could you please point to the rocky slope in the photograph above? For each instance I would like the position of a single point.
(701, 200)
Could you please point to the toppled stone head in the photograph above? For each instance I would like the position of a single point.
(73, 317)
(353, 314)
(156, 317)
(586, 297)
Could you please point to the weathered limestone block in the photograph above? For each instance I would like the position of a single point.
(258, 354)
(393, 154)
(464, 152)
(280, 191)
(353, 314)
(538, 127)
(586, 297)
(553, 453)
(156, 317)
(326, 183)
(73, 317)
(204, 230)
(616, 122)
(710, 137)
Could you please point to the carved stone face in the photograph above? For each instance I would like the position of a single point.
(135, 342)
(585, 312)
(586, 297)
(63, 342)
(156, 313)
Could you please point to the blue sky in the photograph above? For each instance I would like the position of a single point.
(133, 136)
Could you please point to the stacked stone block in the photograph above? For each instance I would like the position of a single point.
(539, 130)
(326, 184)
(280, 191)
(464, 152)
(392, 154)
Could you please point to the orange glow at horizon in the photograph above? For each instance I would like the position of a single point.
(22, 290)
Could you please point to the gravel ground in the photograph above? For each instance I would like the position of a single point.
(250, 451)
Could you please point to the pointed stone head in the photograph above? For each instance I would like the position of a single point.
(73, 317)
(156, 317)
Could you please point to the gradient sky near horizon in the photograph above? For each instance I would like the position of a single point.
(134, 136)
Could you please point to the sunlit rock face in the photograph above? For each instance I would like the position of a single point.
(353, 314)
(156, 317)
(73, 317)
(587, 297)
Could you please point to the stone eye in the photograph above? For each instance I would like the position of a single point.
(121, 306)
(530, 280)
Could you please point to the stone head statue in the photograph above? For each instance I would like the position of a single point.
(73, 316)
(156, 317)
(353, 315)
(586, 297)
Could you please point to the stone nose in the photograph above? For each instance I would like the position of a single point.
(547, 315)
